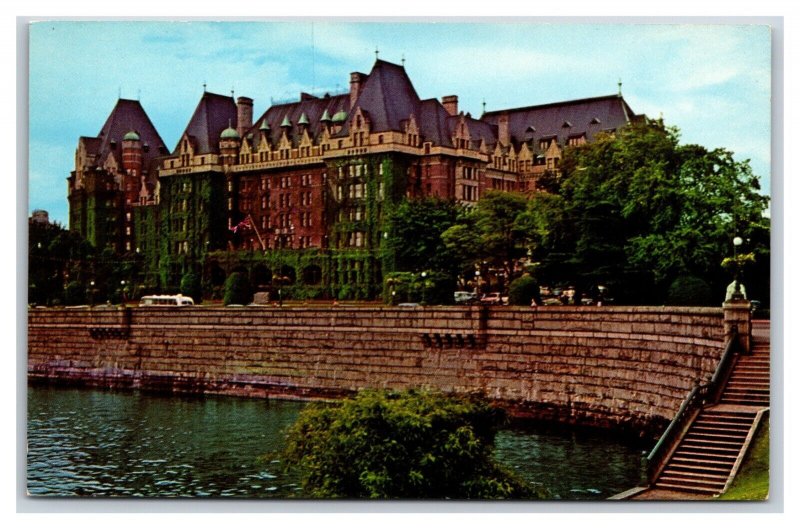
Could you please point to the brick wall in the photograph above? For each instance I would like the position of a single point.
(603, 366)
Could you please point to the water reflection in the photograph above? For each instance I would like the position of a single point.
(95, 443)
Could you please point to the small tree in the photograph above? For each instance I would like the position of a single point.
(237, 290)
(386, 444)
(522, 290)
(74, 293)
(192, 287)
(689, 291)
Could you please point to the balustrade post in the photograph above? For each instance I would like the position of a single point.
(736, 318)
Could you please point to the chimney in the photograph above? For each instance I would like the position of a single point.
(502, 129)
(356, 83)
(450, 103)
(244, 115)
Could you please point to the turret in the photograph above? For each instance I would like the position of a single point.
(244, 114)
(229, 144)
(131, 165)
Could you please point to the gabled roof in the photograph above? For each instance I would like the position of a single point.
(128, 115)
(564, 119)
(214, 113)
(312, 107)
(388, 96)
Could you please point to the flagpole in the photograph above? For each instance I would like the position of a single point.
(255, 228)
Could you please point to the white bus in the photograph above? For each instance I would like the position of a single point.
(176, 300)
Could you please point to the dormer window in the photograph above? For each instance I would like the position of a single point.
(595, 121)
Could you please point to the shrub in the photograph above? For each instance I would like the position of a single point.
(689, 291)
(522, 290)
(192, 287)
(386, 444)
(74, 294)
(237, 290)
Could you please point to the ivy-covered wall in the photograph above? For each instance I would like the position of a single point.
(192, 223)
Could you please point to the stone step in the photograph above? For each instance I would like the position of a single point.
(722, 443)
(745, 402)
(714, 485)
(687, 488)
(705, 455)
(678, 459)
(715, 435)
(718, 428)
(702, 468)
(699, 477)
(710, 450)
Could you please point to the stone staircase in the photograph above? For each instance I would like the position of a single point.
(706, 457)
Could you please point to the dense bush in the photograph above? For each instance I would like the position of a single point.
(522, 290)
(385, 444)
(74, 294)
(237, 290)
(690, 291)
(191, 286)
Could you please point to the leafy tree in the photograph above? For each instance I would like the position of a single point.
(237, 290)
(191, 286)
(493, 232)
(522, 290)
(638, 210)
(386, 444)
(690, 291)
(414, 238)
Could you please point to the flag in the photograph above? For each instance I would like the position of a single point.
(243, 225)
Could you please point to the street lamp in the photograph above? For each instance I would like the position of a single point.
(424, 275)
(737, 291)
(91, 292)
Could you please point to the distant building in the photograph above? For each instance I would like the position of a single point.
(39, 216)
(300, 192)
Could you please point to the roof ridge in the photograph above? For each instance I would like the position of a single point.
(554, 103)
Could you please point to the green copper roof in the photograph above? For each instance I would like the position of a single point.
(325, 116)
(303, 119)
(264, 125)
(339, 116)
(229, 134)
(131, 136)
(286, 122)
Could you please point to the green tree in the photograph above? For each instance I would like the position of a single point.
(386, 444)
(237, 290)
(637, 210)
(414, 237)
(522, 290)
(493, 232)
(191, 286)
(690, 291)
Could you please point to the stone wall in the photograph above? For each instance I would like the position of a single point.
(603, 366)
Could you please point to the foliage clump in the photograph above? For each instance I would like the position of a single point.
(237, 290)
(191, 286)
(410, 444)
(690, 291)
(522, 290)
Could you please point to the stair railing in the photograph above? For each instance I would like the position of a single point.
(699, 395)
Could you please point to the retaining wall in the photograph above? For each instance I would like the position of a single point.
(602, 366)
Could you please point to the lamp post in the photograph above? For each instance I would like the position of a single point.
(477, 282)
(424, 275)
(737, 291)
(91, 292)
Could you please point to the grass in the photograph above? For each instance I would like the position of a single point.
(752, 481)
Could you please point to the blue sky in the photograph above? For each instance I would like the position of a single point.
(711, 81)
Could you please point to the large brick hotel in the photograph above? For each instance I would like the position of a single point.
(301, 192)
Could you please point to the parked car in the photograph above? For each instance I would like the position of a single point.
(408, 305)
(492, 299)
(465, 298)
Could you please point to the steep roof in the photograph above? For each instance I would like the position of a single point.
(128, 115)
(388, 97)
(214, 113)
(564, 119)
(312, 107)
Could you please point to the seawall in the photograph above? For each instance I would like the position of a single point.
(601, 366)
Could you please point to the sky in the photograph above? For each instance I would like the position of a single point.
(711, 81)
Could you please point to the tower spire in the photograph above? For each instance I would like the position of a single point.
(619, 87)
(376, 53)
